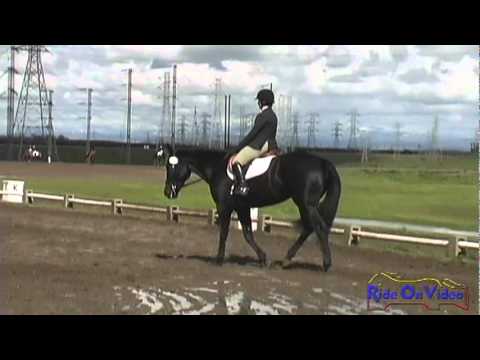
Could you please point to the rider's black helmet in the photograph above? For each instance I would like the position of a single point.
(266, 97)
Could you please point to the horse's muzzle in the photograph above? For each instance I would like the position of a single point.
(171, 192)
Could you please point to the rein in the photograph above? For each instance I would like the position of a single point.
(192, 182)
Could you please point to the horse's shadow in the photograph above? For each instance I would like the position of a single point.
(243, 261)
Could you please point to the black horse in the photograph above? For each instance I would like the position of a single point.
(301, 176)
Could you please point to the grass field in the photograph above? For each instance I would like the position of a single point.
(415, 194)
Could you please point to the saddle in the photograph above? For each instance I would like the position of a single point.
(254, 168)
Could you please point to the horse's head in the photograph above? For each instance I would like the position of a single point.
(160, 154)
(178, 172)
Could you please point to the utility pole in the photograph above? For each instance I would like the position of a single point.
(229, 119)
(226, 143)
(52, 142)
(174, 105)
(129, 117)
(225, 125)
(166, 110)
(217, 113)
(89, 116)
(11, 93)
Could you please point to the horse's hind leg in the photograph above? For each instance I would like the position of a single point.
(246, 221)
(306, 231)
(322, 231)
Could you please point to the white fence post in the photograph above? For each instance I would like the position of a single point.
(352, 238)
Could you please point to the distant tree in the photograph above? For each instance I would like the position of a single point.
(62, 139)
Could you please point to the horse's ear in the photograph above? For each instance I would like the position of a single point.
(167, 150)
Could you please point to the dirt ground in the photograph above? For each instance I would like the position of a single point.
(56, 261)
(64, 261)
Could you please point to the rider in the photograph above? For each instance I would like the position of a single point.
(259, 141)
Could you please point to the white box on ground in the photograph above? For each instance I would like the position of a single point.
(13, 191)
(254, 217)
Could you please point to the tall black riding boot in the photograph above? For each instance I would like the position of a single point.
(241, 187)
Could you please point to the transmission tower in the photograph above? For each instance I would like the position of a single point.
(205, 130)
(398, 135)
(288, 119)
(195, 127)
(434, 141)
(311, 140)
(182, 129)
(353, 139)
(280, 117)
(33, 93)
(365, 146)
(295, 122)
(337, 134)
(243, 126)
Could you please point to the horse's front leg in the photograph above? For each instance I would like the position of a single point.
(224, 218)
(246, 221)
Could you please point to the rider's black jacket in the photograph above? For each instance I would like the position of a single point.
(265, 129)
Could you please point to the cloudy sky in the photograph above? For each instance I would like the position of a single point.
(408, 84)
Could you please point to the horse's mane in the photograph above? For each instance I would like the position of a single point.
(202, 154)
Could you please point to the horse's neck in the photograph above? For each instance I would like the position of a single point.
(204, 163)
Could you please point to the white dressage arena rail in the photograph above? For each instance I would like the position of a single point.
(456, 244)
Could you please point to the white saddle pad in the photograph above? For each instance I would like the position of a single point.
(256, 168)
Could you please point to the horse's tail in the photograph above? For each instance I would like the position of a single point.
(329, 206)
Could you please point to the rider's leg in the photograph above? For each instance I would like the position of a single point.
(245, 156)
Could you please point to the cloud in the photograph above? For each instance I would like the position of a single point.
(385, 83)
(450, 53)
(399, 53)
(214, 55)
(416, 76)
(349, 78)
(338, 57)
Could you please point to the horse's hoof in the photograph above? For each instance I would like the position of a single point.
(326, 266)
(264, 263)
(286, 263)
